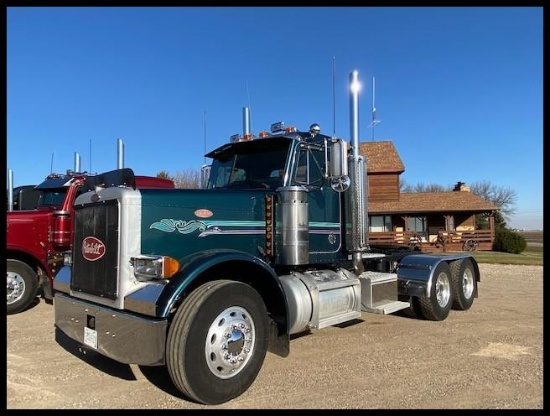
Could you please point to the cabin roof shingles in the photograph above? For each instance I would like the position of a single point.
(416, 202)
(382, 157)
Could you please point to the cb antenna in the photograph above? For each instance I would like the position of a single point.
(249, 107)
(90, 155)
(333, 100)
(51, 164)
(374, 121)
(204, 128)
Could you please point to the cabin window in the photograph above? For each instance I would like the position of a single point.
(380, 223)
(418, 225)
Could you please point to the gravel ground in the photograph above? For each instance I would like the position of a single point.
(490, 357)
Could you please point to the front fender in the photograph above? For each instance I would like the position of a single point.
(197, 264)
(161, 299)
(32, 258)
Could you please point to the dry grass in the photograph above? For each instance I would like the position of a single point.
(532, 236)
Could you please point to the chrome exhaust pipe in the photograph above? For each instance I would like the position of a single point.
(10, 190)
(357, 204)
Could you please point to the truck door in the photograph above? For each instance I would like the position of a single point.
(324, 204)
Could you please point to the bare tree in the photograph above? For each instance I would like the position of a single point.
(404, 185)
(163, 174)
(504, 198)
(189, 179)
(422, 187)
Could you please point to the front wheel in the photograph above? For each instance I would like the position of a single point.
(22, 286)
(464, 284)
(437, 306)
(217, 341)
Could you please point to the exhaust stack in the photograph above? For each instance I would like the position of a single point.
(354, 87)
(120, 154)
(246, 122)
(76, 162)
(357, 204)
(10, 190)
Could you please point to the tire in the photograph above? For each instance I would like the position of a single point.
(438, 305)
(464, 284)
(22, 286)
(201, 364)
(415, 308)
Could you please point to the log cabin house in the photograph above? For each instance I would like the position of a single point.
(425, 221)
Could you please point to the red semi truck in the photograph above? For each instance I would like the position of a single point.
(37, 238)
(24, 197)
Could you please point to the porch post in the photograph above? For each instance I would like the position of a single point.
(447, 237)
(492, 225)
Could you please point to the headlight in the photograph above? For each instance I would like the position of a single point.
(68, 258)
(154, 267)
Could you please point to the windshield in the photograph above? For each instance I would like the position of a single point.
(52, 197)
(250, 167)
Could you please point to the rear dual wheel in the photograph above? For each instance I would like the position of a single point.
(437, 305)
(453, 286)
(464, 284)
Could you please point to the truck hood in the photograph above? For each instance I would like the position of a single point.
(21, 218)
(182, 222)
(28, 230)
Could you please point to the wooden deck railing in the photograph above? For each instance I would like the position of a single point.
(443, 241)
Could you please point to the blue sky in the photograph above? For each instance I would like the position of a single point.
(457, 90)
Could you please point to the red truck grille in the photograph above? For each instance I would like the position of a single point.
(95, 250)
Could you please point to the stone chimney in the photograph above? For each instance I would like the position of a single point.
(461, 186)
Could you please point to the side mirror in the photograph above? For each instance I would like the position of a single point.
(339, 158)
(205, 175)
(339, 179)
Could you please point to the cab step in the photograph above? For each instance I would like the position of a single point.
(379, 293)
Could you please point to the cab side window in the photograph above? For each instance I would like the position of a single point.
(311, 167)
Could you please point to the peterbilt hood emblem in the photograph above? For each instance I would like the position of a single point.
(92, 249)
(203, 213)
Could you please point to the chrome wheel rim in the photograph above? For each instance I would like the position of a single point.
(468, 283)
(15, 288)
(230, 342)
(443, 289)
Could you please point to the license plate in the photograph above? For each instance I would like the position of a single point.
(90, 337)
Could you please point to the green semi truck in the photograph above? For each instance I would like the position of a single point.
(206, 281)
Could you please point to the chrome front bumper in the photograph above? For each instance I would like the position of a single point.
(124, 337)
